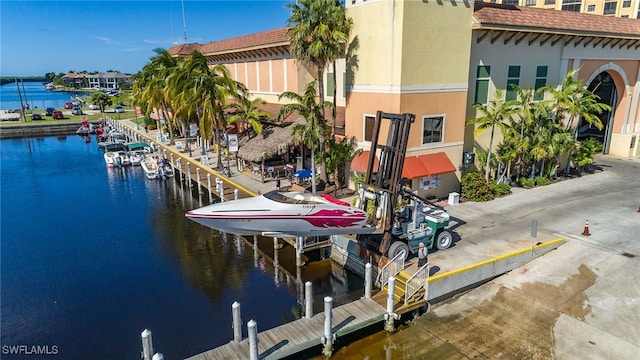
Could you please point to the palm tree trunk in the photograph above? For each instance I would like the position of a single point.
(313, 170)
(486, 171)
(323, 165)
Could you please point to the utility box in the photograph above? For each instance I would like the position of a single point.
(454, 198)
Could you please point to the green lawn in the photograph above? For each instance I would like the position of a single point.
(73, 119)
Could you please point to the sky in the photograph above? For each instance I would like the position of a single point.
(37, 37)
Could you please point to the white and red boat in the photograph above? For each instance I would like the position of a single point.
(284, 214)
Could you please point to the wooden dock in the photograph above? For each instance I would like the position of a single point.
(302, 334)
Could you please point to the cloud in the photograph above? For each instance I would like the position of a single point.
(107, 40)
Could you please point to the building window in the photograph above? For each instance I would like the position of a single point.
(531, 2)
(432, 129)
(571, 5)
(549, 2)
(591, 8)
(541, 81)
(513, 79)
(509, 2)
(626, 4)
(329, 84)
(610, 8)
(624, 16)
(483, 75)
(369, 121)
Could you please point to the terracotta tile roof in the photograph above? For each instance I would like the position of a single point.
(184, 49)
(274, 109)
(262, 39)
(488, 14)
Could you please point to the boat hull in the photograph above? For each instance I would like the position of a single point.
(261, 216)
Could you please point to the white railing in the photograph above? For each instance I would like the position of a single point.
(416, 282)
(392, 268)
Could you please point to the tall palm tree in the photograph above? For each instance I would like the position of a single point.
(316, 32)
(150, 85)
(495, 114)
(314, 127)
(203, 92)
(340, 26)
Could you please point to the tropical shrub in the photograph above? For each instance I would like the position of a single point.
(585, 152)
(501, 189)
(541, 181)
(475, 188)
(527, 182)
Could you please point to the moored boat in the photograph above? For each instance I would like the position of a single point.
(150, 167)
(284, 214)
(116, 159)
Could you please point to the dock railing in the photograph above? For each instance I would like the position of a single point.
(392, 268)
(416, 282)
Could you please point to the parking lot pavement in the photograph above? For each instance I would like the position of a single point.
(579, 301)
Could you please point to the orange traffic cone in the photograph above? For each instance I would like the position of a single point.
(585, 232)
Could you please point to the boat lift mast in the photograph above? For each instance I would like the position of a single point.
(386, 181)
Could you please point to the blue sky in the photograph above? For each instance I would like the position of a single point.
(37, 37)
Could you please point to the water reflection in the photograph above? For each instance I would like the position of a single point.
(217, 262)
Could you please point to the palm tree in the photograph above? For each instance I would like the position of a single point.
(150, 84)
(497, 113)
(574, 100)
(203, 92)
(314, 127)
(317, 36)
(340, 26)
(249, 111)
(337, 155)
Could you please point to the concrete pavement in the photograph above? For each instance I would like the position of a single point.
(581, 301)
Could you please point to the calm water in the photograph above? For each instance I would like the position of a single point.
(91, 256)
(36, 96)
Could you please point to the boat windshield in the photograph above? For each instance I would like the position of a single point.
(279, 197)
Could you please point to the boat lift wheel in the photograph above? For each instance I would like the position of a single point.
(444, 240)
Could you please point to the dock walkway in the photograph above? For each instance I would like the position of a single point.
(302, 334)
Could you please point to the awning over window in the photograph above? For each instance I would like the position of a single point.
(427, 165)
(361, 161)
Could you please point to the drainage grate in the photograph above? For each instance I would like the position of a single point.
(628, 255)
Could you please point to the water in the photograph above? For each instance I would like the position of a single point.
(36, 96)
(91, 256)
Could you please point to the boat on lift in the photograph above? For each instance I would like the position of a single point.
(282, 214)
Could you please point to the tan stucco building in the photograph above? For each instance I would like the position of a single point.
(435, 59)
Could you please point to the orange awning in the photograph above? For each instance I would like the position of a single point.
(361, 161)
(427, 165)
(413, 168)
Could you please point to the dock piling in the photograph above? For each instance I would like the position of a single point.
(252, 328)
(209, 187)
(390, 316)
(198, 181)
(329, 337)
(367, 281)
(189, 175)
(308, 300)
(147, 344)
(236, 194)
(158, 356)
(237, 322)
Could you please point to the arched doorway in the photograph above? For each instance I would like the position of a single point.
(603, 86)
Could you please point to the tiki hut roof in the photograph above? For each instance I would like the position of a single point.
(273, 141)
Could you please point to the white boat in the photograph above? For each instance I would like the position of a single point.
(284, 214)
(136, 157)
(116, 159)
(150, 167)
(155, 168)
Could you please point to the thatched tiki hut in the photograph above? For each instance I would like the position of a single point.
(276, 139)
